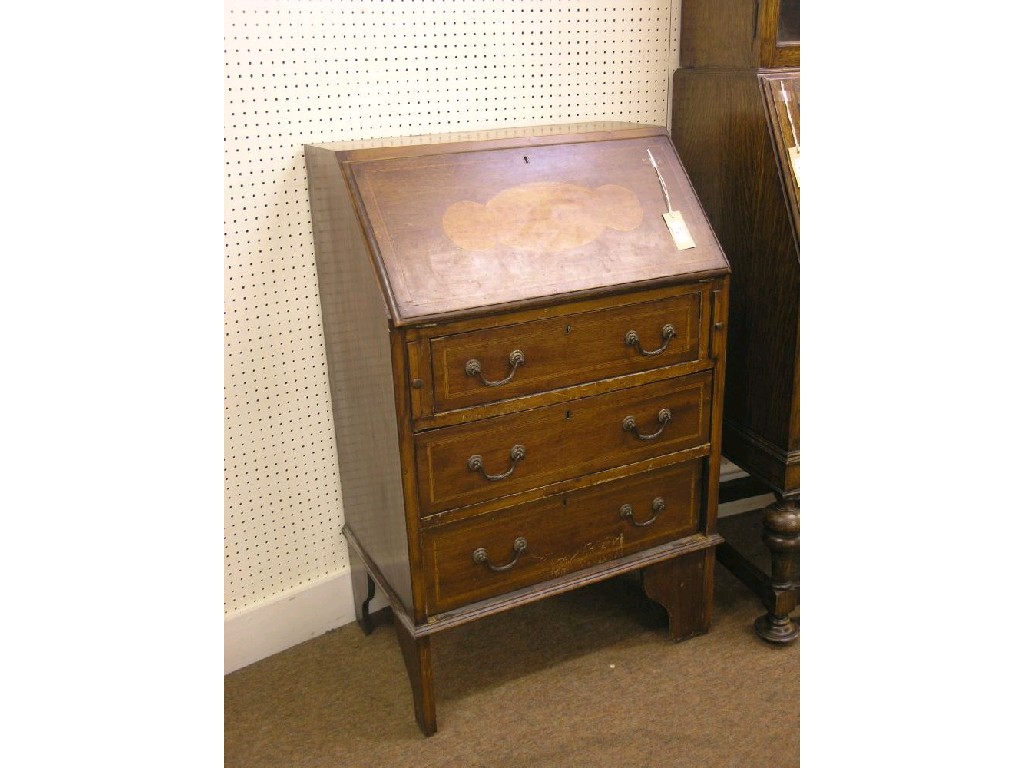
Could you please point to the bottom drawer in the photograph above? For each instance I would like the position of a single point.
(514, 547)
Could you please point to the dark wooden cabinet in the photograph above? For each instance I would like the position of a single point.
(526, 372)
(735, 123)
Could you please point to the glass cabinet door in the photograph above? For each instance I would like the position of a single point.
(788, 28)
(780, 33)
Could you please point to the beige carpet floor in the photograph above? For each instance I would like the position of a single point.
(583, 679)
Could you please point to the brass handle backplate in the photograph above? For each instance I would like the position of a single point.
(476, 463)
(518, 546)
(664, 417)
(657, 506)
(667, 334)
(515, 359)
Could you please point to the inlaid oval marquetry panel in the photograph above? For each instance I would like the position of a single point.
(497, 225)
(542, 217)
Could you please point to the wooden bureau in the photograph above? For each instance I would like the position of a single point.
(738, 134)
(526, 372)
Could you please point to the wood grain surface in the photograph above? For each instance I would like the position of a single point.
(783, 112)
(564, 351)
(542, 216)
(733, 132)
(564, 533)
(560, 441)
(483, 228)
(720, 128)
(358, 351)
(737, 34)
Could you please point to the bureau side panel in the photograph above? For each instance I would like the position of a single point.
(357, 342)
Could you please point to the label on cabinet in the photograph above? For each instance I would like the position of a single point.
(680, 234)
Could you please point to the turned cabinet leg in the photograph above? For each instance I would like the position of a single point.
(782, 536)
(363, 590)
(682, 586)
(416, 651)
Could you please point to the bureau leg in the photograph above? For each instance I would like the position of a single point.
(782, 536)
(416, 651)
(363, 590)
(683, 586)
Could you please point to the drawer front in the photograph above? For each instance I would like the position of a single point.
(478, 558)
(499, 363)
(474, 462)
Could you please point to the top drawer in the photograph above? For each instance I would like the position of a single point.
(494, 364)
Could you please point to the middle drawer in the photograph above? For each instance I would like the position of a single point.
(482, 460)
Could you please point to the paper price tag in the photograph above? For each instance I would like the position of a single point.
(677, 227)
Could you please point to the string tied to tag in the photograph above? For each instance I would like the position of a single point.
(673, 218)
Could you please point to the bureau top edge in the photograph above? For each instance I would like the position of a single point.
(463, 141)
(561, 299)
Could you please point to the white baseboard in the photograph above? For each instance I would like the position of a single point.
(740, 506)
(731, 472)
(289, 619)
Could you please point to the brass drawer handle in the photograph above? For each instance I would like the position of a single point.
(518, 546)
(664, 417)
(658, 506)
(476, 463)
(517, 358)
(667, 334)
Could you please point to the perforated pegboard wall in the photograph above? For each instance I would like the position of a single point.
(303, 71)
